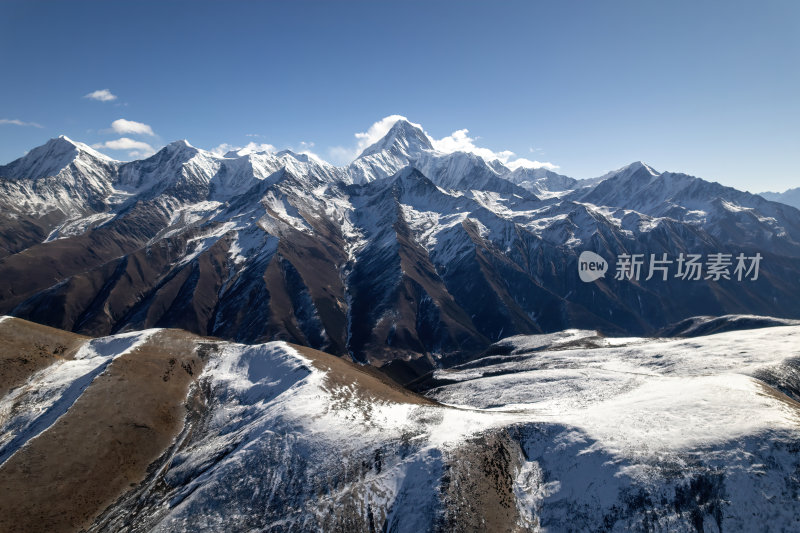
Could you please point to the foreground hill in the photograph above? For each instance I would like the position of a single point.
(162, 430)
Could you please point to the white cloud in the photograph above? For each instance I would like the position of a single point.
(305, 149)
(458, 141)
(101, 95)
(124, 143)
(339, 155)
(17, 122)
(527, 163)
(249, 148)
(131, 127)
(137, 148)
(253, 147)
(224, 148)
(313, 156)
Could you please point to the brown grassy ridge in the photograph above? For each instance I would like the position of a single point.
(130, 414)
(128, 417)
(26, 347)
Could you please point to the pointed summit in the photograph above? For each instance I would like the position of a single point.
(402, 139)
(49, 159)
(62, 143)
(179, 145)
(637, 168)
(180, 148)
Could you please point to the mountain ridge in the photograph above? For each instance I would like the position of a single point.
(407, 256)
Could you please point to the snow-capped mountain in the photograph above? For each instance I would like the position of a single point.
(52, 158)
(729, 215)
(404, 142)
(408, 257)
(59, 181)
(545, 183)
(565, 431)
(407, 144)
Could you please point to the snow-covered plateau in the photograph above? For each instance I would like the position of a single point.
(570, 431)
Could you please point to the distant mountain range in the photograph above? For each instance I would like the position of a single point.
(408, 255)
(790, 197)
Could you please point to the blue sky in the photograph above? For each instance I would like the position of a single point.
(707, 88)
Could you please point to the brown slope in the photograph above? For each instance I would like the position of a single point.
(281, 323)
(193, 306)
(18, 232)
(367, 380)
(93, 302)
(26, 347)
(402, 308)
(136, 276)
(487, 257)
(479, 485)
(43, 265)
(417, 266)
(125, 420)
(112, 437)
(317, 258)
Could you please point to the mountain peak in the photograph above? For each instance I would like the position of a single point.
(637, 168)
(48, 159)
(62, 140)
(642, 164)
(63, 144)
(300, 157)
(233, 154)
(402, 138)
(180, 151)
(182, 143)
(55, 147)
(178, 147)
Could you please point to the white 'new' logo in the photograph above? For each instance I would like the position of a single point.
(591, 266)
